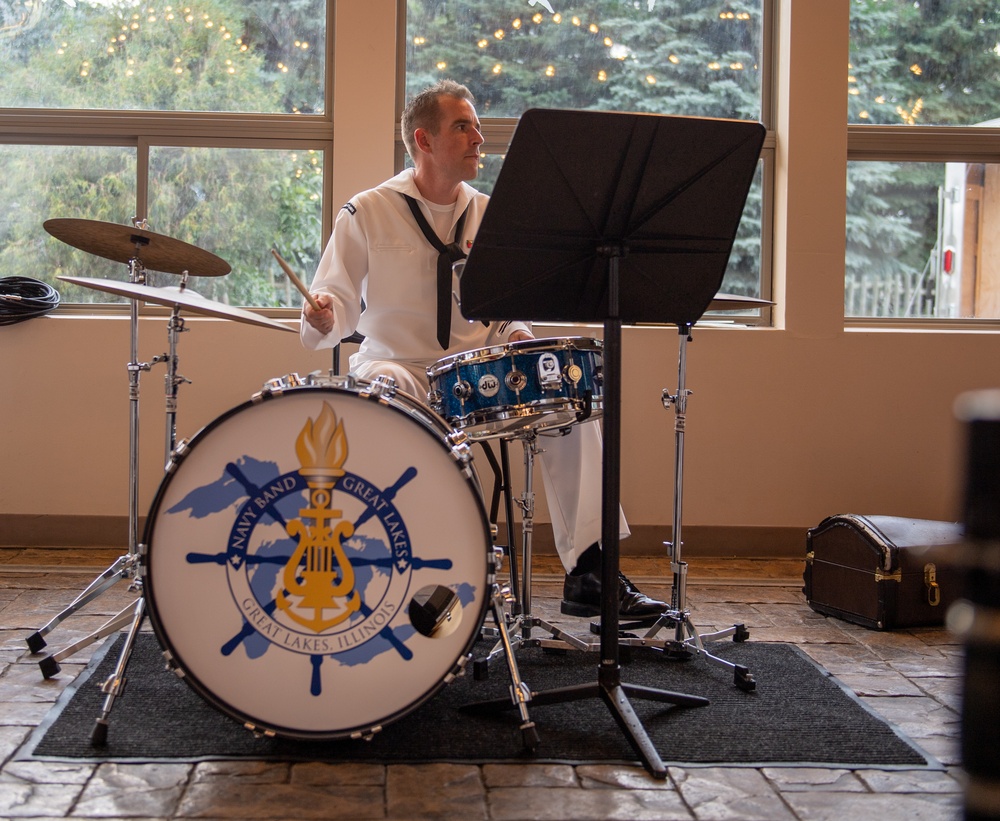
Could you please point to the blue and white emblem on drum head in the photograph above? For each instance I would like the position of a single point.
(297, 544)
(332, 593)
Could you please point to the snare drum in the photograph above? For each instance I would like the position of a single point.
(536, 384)
(317, 560)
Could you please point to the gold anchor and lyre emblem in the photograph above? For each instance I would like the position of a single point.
(318, 578)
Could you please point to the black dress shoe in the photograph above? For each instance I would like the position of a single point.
(582, 597)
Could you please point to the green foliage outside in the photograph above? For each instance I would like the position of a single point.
(209, 55)
(678, 57)
(927, 63)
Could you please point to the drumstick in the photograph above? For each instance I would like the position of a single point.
(296, 281)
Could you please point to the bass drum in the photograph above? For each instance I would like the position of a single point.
(317, 561)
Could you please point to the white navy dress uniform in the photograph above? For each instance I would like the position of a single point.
(379, 255)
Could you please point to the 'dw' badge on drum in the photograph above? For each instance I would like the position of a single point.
(316, 561)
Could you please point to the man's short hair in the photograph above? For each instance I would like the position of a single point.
(424, 111)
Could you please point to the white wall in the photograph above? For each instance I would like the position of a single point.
(785, 426)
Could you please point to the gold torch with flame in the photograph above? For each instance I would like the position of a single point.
(319, 576)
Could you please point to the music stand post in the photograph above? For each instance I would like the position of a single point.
(614, 218)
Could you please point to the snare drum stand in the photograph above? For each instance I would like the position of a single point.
(687, 641)
(523, 622)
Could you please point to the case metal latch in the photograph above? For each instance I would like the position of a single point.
(933, 588)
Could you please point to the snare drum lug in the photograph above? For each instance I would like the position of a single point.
(461, 390)
(516, 380)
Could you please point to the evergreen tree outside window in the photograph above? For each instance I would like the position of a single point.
(675, 57)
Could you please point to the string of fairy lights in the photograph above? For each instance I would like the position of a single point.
(617, 51)
(908, 116)
(150, 16)
(141, 21)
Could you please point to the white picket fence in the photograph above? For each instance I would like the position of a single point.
(901, 295)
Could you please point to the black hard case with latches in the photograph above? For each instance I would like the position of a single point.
(882, 572)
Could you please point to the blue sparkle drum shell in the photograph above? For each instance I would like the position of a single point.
(317, 562)
(532, 385)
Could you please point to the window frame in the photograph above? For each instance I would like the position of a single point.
(498, 133)
(932, 144)
(142, 130)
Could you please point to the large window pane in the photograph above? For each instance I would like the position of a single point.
(923, 240)
(238, 204)
(39, 182)
(928, 63)
(680, 57)
(209, 55)
(235, 203)
(689, 57)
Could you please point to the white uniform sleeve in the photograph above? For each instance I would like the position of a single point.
(341, 274)
(500, 332)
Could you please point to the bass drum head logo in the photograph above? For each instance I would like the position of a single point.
(316, 562)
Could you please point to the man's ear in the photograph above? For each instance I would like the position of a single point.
(421, 140)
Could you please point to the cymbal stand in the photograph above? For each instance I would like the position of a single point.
(134, 614)
(686, 640)
(125, 567)
(521, 625)
(172, 379)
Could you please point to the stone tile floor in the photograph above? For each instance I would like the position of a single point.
(912, 678)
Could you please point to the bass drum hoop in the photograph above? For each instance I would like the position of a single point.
(425, 418)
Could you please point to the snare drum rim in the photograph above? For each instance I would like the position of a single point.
(493, 353)
(174, 658)
(527, 411)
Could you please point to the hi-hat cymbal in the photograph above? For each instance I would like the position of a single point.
(174, 296)
(735, 302)
(123, 243)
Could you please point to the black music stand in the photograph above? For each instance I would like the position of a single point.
(618, 218)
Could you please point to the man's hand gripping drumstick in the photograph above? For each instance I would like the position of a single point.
(317, 309)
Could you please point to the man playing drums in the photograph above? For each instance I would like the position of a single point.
(378, 276)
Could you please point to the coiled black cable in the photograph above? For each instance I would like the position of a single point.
(24, 298)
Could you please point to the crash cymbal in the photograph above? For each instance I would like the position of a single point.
(123, 243)
(173, 296)
(735, 302)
